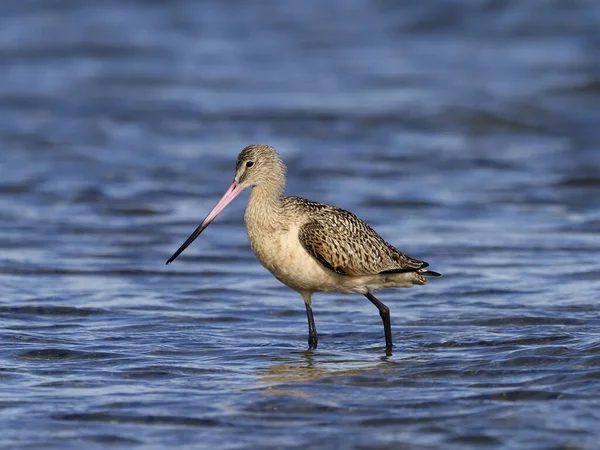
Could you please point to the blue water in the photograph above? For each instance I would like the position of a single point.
(465, 132)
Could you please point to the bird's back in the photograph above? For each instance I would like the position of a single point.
(344, 243)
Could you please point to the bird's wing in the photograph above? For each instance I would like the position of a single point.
(345, 244)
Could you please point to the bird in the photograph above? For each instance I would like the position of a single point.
(312, 247)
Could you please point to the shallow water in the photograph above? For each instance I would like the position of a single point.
(465, 132)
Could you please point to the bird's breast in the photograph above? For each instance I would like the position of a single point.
(279, 250)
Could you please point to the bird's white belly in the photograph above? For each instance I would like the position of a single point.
(283, 255)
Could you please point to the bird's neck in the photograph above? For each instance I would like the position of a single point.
(264, 205)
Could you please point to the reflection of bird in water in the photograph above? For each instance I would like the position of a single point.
(304, 369)
(311, 247)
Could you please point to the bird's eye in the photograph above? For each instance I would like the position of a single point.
(249, 163)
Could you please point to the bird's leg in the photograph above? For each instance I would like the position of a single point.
(384, 312)
(313, 338)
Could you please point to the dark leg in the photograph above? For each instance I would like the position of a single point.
(312, 330)
(384, 312)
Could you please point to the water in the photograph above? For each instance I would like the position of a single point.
(465, 132)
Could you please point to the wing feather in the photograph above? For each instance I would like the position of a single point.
(345, 244)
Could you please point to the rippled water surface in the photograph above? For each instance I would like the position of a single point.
(465, 132)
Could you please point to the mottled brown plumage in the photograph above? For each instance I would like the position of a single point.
(344, 243)
(309, 246)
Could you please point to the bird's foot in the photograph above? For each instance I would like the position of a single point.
(312, 341)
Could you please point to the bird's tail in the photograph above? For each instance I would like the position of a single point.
(430, 273)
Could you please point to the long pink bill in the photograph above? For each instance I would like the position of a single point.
(229, 195)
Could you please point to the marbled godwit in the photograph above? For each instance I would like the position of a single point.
(311, 247)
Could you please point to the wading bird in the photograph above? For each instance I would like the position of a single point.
(309, 246)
